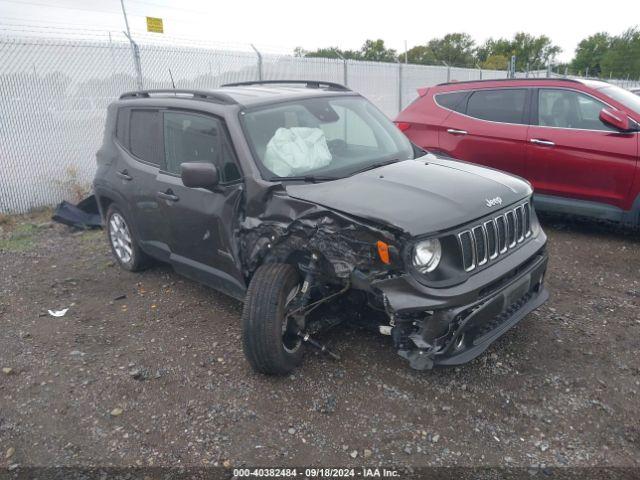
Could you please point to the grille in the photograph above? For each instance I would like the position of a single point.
(486, 241)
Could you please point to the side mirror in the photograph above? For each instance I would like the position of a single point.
(199, 175)
(616, 119)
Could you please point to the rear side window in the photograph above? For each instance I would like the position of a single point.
(504, 106)
(144, 128)
(197, 138)
(453, 101)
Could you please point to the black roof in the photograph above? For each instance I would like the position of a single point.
(250, 93)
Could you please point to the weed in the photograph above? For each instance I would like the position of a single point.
(72, 183)
(5, 219)
(19, 239)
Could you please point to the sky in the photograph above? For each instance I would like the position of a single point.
(285, 24)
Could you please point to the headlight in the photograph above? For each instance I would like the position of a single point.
(427, 255)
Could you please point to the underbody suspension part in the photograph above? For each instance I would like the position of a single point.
(323, 348)
(303, 308)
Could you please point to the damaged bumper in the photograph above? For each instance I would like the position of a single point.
(452, 329)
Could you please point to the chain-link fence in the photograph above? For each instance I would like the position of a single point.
(54, 93)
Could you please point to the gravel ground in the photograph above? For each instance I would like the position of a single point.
(147, 369)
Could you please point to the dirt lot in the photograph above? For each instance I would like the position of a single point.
(158, 377)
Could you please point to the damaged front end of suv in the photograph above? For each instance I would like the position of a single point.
(386, 250)
(440, 255)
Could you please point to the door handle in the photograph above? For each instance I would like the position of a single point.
(546, 143)
(123, 174)
(454, 131)
(168, 196)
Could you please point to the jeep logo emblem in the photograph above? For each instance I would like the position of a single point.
(492, 202)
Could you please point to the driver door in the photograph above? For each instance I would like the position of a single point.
(571, 153)
(203, 221)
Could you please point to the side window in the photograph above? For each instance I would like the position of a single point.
(143, 135)
(196, 138)
(569, 109)
(505, 106)
(121, 127)
(453, 101)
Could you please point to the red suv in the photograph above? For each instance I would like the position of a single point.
(575, 141)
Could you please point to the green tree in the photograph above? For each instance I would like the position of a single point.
(420, 55)
(622, 59)
(371, 50)
(590, 53)
(375, 51)
(328, 52)
(455, 49)
(530, 51)
(495, 61)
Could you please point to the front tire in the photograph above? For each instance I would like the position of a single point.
(269, 341)
(124, 245)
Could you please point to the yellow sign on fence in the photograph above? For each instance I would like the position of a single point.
(155, 25)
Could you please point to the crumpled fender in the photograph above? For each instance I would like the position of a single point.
(290, 227)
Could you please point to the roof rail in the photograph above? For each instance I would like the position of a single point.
(307, 83)
(195, 94)
(520, 79)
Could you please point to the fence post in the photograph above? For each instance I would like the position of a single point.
(344, 68)
(346, 76)
(136, 60)
(259, 61)
(448, 70)
(399, 87)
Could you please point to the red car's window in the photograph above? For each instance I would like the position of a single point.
(504, 106)
(568, 109)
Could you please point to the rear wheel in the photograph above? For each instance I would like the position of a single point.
(270, 339)
(123, 242)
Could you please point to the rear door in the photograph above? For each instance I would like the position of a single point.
(571, 153)
(489, 129)
(138, 134)
(203, 221)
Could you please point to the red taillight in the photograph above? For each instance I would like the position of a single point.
(403, 126)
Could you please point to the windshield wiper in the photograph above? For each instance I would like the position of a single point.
(373, 166)
(306, 178)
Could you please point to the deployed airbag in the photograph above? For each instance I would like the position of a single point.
(295, 151)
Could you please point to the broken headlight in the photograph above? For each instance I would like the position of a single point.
(427, 255)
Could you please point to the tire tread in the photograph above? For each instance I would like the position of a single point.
(261, 320)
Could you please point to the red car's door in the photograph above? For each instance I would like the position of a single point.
(491, 130)
(571, 153)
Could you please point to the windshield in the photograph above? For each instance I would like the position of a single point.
(623, 96)
(327, 138)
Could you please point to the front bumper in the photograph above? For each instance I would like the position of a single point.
(472, 325)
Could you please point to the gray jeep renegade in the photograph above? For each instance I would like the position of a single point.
(302, 200)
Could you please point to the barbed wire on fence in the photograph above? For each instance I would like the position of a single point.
(54, 90)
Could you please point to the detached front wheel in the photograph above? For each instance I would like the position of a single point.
(270, 339)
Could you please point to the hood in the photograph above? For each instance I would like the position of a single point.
(421, 196)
